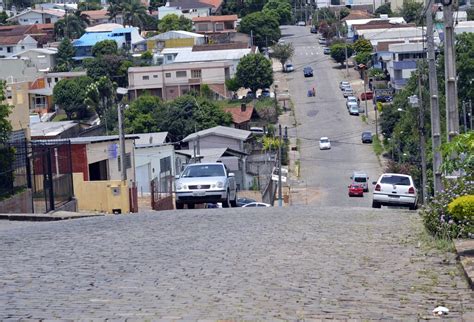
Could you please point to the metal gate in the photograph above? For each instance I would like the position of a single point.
(162, 193)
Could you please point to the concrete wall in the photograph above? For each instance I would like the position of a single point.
(21, 203)
(101, 151)
(98, 195)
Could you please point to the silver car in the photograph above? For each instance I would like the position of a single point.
(206, 183)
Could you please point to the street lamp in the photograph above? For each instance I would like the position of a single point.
(121, 93)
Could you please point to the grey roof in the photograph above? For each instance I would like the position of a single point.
(103, 138)
(50, 128)
(212, 55)
(151, 139)
(175, 34)
(224, 131)
(211, 154)
(67, 74)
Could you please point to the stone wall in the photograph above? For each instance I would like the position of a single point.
(21, 203)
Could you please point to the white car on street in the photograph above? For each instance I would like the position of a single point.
(353, 108)
(324, 143)
(344, 84)
(256, 204)
(394, 189)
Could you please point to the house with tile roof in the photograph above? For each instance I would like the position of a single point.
(37, 16)
(10, 45)
(186, 8)
(42, 33)
(215, 24)
(97, 17)
(241, 116)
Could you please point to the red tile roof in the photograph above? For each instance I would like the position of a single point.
(11, 40)
(215, 18)
(232, 45)
(15, 30)
(358, 14)
(381, 25)
(215, 3)
(239, 117)
(96, 14)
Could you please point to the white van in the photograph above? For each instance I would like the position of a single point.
(257, 130)
(361, 178)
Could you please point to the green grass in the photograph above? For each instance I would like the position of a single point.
(364, 118)
(377, 145)
(430, 242)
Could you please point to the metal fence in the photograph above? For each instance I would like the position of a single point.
(14, 168)
(162, 193)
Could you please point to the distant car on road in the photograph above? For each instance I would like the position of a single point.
(308, 71)
(265, 93)
(359, 177)
(324, 143)
(366, 96)
(206, 183)
(326, 50)
(322, 41)
(243, 201)
(356, 189)
(353, 109)
(366, 137)
(256, 204)
(394, 189)
(314, 30)
(301, 23)
(348, 91)
(344, 84)
(250, 95)
(289, 68)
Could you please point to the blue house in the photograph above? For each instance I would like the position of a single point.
(125, 37)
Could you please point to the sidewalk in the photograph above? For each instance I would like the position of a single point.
(59, 215)
(465, 251)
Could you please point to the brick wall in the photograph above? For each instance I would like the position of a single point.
(20, 203)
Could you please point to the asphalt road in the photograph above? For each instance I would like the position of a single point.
(325, 174)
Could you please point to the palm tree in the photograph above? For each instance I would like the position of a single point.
(133, 13)
(114, 9)
(71, 26)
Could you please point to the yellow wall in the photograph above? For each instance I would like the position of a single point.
(180, 42)
(98, 196)
(20, 115)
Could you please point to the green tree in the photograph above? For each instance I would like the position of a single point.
(344, 12)
(71, 26)
(462, 147)
(470, 13)
(411, 11)
(7, 154)
(254, 71)
(384, 9)
(362, 45)
(252, 6)
(111, 66)
(174, 22)
(5, 110)
(3, 17)
(105, 47)
(282, 8)
(264, 26)
(64, 56)
(133, 13)
(100, 97)
(70, 94)
(465, 66)
(114, 9)
(232, 84)
(363, 58)
(327, 30)
(89, 5)
(283, 52)
(338, 52)
(145, 115)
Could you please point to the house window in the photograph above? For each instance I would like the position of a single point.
(145, 77)
(98, 171)
(181, 73)
(1, 48)
(9, 49)
(195, 73)
(22, 47)
(219, 26)
(47, 20)
(168, 75)
(202, 27)
(155, 76)
(56, 79)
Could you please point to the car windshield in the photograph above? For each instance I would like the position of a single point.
(367, 134)
(208, 170)
(324, 141)
(289, 65)
(360, 179)
(396, 180)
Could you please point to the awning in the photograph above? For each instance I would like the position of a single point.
(42, 91)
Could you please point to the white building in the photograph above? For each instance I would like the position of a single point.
(43, 58)
(464, 26)
(11, 45)
(37, 16)
(403, 61)
(376, 35)
(351, 23)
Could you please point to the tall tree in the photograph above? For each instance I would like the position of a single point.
(362, 45)
(105, 47)
(114, 9)
(174, 22)
(145, 115)
(133, 13)
(70, 94)
(7, 154)
(384, 9)
(100, 96)
(263, 26)
(283, 52)
(64, 56)
(338, 52)
(71, 26)
(5, 110)
(282, 8)
(254, 71)
(411, 10)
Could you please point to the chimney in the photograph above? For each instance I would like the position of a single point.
(243, 107)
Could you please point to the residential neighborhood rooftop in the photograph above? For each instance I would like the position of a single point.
(216, 18)
(151, 139)
(220, 131)
(212, 55)
(45, 129)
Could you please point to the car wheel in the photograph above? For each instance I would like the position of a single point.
(191, 206)
(225, 203)
(233, 203)
(179, 206)
(413, 207)
(375, 204)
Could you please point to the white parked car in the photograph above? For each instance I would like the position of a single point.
(324, 143)
(289, 68)
(206, 183)
(343, 85)
(348, 91)
(256, 204)
(394, 189)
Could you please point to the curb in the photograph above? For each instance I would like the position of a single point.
(465, 254)
(60, 215)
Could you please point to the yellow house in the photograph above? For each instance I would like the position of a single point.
(16, 94)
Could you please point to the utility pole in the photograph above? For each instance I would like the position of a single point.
(279, 168)
(251, 38)
(365, 92)
(123, 171)
(470, 115)
(464, 116)
(421, 128)
(434, 102)
(347, 62)
(452, 116)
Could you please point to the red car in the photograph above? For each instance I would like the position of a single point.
(356, 190)
(366, 96)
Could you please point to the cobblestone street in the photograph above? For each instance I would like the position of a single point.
(259, 264)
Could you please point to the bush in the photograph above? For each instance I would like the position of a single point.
(462, 211)
(436, 217)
